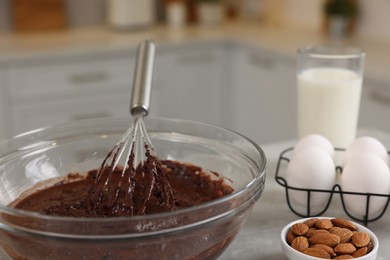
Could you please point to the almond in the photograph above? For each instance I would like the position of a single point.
(311, 222)
(313, 231)
(344, 234)
(324, 224)
(370, 246)
(300, 243)
(290, 237)
(340, 222)
(326, 239)
(316, 252)
(299, 229)
(360, 239)
(329, 238)
(360, 252)
(344, 257)
(328, 249)
(345, 249)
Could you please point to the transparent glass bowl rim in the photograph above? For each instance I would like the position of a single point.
(261, 163)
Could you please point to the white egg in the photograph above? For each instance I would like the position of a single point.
(365, 144)
(311, 168)
(315, 140)
(365, 173)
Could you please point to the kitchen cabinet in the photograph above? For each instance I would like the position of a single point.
(48, 113)
(87, 75)
(189, 82)
(263, 100)
(222, 82)
(375, 105)
(46, 91)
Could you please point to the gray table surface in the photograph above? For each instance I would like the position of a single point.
(260, 236)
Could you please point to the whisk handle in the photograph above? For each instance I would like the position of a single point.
(142, 84)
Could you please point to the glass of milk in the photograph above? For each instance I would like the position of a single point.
(329, 88)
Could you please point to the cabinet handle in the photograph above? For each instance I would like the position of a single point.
(91, 116)
(89, 77)
(196, 58)
(262, 62)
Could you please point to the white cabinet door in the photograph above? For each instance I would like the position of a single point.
(60, 89)
(263, 95)
(42, 80)
(188, 83)
(31, 117)
(375, 105)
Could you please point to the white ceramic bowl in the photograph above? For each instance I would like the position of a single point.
(293, 254)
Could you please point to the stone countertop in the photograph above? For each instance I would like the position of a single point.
(260, 236)
(281, 39)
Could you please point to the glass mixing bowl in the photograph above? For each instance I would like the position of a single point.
(199, 232)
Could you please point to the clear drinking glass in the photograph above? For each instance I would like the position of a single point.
(329, 89)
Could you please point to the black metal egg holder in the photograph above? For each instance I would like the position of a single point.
(336, 189)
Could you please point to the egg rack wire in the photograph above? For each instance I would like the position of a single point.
(336, 189)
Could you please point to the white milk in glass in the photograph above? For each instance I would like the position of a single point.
(328, 104)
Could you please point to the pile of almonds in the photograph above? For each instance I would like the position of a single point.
(335, 238)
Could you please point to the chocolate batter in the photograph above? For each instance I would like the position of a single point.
(190, 186)
(159, 186)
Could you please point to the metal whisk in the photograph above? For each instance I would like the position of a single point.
(131, 175)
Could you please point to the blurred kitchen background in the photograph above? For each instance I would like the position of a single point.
(224, 62)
